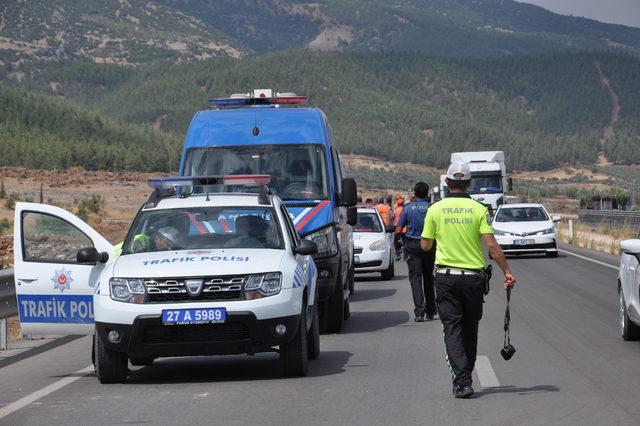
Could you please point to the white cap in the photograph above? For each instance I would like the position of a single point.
(459, 168)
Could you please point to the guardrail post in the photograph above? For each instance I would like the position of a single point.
(3, 335)
(570, 230)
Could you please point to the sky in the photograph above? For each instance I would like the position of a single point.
(625, 12)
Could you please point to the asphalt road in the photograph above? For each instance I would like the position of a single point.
(571, 367)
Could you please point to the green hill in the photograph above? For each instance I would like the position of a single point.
(543, 111)
(40, 132)
(461, 28)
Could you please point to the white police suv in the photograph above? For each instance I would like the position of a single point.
(199, 273)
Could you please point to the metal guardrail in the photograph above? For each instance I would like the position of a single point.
(612, 218)
(8, 305)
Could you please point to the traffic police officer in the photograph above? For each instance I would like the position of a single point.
(459, 225)
(420, 262)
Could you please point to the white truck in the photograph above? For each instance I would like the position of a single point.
(489, 181)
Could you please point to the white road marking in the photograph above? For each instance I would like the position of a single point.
(589, 259)
(32, 397)
(487, 376)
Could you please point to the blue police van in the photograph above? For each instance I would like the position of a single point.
(266, 133)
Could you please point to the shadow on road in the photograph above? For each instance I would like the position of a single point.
(232, 368)
(368, 322)
(532, 256)
(377, 278)
(364, 295)
(518, 390)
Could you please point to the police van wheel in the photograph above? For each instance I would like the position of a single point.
(628, 330)
(293, 355)
(352, 280)
(141, 361)
(313, 337)
(111, 366)
(334, 311)
(390, 272)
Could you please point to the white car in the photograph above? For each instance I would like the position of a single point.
(198, 274)
(628, 289)
(373, 244)
(525, 229)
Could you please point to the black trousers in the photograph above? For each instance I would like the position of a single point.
(460, 309)
(420, 265)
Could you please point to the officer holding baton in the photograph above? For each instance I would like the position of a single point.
(459, 225)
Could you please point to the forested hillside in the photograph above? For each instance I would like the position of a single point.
(544, 111)
(46, 133)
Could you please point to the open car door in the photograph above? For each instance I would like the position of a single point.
(54, 291)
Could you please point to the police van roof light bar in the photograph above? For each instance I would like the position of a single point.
(258, 97)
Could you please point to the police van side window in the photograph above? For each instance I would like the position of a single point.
(293, 235)
(47, 238)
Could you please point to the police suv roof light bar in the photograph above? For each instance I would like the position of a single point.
(166, 186)
(258, 97)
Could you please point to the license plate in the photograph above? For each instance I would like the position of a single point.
(524, 242)
(194, 316)
(356, 259)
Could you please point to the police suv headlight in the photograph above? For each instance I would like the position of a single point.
(129, 290)
(263, 285)
(325, 239)
(548, 231)
(500, 233)
(377, 246)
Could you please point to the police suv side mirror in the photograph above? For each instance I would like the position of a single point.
(390, 229)
(352, 215)
(91, 256)
(306, 248)
(349, 196)
(556, 218)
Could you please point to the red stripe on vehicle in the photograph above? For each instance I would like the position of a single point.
(311, 214)
(225, 225)
(198, 225)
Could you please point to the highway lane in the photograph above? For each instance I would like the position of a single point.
(571, 366)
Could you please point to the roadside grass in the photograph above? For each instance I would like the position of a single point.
(601, 238)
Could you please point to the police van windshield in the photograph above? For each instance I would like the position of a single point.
(368, 222)
(521, 214)
(203, 228)
(298, 172)
(489, 184)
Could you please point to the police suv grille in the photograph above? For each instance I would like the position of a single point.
(214, 288)
(202, 333)
(357, 250)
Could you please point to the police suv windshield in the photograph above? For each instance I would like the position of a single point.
(298, 172)
(487, 184)
(521, 214)
(203, 228)
(368, 222)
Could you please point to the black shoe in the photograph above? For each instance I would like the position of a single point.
(430, 317)
(419, 318)
(463, 392)
(398, 258)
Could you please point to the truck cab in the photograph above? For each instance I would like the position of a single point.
(256, 133)
(489, 181)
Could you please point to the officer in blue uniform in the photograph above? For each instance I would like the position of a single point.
(420, 262)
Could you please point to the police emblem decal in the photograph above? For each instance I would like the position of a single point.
(194, 287)
(62, 280)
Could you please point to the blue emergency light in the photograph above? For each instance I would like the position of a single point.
(180, 181)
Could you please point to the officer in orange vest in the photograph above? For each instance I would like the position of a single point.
(385, 211)
(400, 239)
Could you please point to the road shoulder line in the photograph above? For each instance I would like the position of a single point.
(589, 259)
(34, 396)
(486, 375)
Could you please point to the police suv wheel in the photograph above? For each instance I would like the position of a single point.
(111, 366)
(313, 337)
(352, 280)
(628, 329)
(293, 355)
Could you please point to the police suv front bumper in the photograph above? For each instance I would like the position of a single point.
(528, 245)
(372, 261)
(241, 333)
